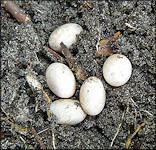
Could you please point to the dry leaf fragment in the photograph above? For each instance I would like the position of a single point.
(105, 47)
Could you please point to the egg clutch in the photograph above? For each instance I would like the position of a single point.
(117, 70)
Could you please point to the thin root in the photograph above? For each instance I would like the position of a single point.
(118, 128)
(48, 98)
(130, 138)
(56, 55)
(7, 115)
(38, 138)
(53, 139)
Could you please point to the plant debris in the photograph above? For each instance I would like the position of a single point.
(130, 138)
(15, 11)
(24, 107)
(105, 47)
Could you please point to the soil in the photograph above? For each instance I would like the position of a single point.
(129, 110)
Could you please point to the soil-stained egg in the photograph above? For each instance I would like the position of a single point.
(66, 33)
(92, 96)
(61, 80)
(67, 111)
(117, 70)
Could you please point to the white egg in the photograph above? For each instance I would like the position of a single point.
(117, 70)
(66, 33)
(67, 111)
(61, 80)
(92, 96)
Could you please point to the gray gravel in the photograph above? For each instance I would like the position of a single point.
(22, 53)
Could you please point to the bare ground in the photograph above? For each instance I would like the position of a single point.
(127, 107)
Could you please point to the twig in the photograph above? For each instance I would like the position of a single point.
(46, 95)
(56, 55)
(135, 105)
(137, 145)
(22, 139)
(128, 25)
(38, 138)
(118, 128)
(7, 115)
(37, 9)
(134, 102)
(146, 112)
(15, 11)
(18, 128)
(43, 131)
(130, 138)
(141, 109)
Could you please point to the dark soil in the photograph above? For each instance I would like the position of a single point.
(21, 53)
